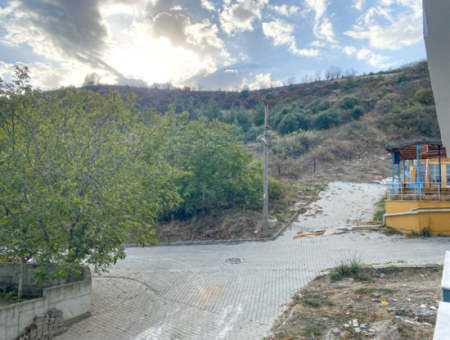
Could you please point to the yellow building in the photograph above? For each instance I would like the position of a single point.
(419, 196)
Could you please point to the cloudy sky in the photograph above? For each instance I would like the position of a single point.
(215, 43)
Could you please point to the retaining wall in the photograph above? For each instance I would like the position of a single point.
(74, 299)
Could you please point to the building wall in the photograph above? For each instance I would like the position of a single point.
(74, 299)
(395, 207)
(439, 222)
(437, 42)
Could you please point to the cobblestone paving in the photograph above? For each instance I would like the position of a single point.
(190, 292)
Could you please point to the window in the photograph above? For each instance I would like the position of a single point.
(447, 170)
(434, 168)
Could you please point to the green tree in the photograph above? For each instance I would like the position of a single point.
(424, 96)
(212, 109)
(326, 119)
(358, 111)
(74, 178)
(243, 119)
(215, 165)
(349, 83)
(323, 106)
(293, 121)
(258, 114)
(348, 103)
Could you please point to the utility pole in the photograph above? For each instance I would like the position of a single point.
(266, 170)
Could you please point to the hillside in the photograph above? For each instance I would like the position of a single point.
(320, 131)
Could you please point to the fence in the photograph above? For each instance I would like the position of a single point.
(420, 191)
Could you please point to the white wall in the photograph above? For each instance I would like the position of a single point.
(437, 42)
(74, 299)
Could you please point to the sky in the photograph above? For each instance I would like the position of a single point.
(211, 44)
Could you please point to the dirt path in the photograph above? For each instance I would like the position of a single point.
(341, 205)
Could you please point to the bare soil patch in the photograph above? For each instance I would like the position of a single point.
(348, 309)
(234, 226)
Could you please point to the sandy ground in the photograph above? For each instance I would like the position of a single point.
(341, 205)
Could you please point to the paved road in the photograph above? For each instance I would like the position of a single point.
(190, 292)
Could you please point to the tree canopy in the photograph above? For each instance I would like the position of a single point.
(74, 178)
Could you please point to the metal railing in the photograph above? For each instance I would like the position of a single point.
(421, 191)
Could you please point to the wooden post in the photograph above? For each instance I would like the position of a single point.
(314, 165)
(266, 170)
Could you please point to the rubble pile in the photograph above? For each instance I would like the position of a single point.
(45, 327)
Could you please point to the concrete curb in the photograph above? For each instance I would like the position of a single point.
(214, 242)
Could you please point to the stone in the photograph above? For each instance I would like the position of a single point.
(421, 312)
(375, 295)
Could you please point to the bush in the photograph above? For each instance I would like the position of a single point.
(252, 134)
(293, 121)
(401, 78)
(353, 269)
(323, 106)
(348, 103)
(326, 119)
(349, 83)
(412, 121)
(424, 96)
(358, 111)
(244, 94)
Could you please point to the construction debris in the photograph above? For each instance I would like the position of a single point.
(330, 231)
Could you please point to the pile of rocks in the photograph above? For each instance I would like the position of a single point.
(45, 327)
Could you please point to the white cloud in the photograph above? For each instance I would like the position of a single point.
(281, 33)
(317, 44)
(208, 5)
(323, 28)
(239, 16)
(358, 4)
(263, 81)
(244, 57)
(285, 10)
(373, 59)
(349, 50)
(231, 71)
(9, 9)
(404, 29)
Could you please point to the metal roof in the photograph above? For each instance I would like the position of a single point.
(408, 151)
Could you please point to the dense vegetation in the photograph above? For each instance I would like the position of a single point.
(400, 101)
(81, 170)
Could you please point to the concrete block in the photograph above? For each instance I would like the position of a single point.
(445, 283)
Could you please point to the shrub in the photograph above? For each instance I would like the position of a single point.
(323, 106)
(401, 78)
(252, 134)
(424, 96)
(258, 114)
(293, 121)
(358, 111)
(326, 119)
(348, 103)
(349, 83)
(352, 268)
(308, 99)
(244, 94)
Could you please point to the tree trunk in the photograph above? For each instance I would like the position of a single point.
(21, 278)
